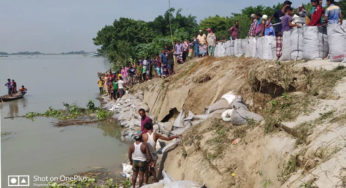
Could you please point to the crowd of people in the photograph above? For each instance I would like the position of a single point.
(142, 153)
(113, 83)
(286, 18)
(12, 88)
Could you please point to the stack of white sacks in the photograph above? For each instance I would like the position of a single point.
(308, 42)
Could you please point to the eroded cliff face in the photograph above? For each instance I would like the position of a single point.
(301, 142)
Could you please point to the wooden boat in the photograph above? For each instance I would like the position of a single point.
(11, 98)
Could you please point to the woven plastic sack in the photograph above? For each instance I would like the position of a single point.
(337, 42)
(297, 44)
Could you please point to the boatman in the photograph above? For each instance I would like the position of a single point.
(139, 157)
(9, 86)
(23, 90)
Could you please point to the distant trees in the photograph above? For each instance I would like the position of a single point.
(127, 40)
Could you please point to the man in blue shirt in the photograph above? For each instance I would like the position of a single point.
(9, 86)
(333, 13)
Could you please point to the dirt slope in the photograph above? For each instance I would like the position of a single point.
(301, 143)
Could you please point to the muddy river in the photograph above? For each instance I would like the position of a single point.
(38, 148)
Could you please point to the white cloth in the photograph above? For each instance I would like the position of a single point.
(151, 140)
(121, 84)
(138, 155)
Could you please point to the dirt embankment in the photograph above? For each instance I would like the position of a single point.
(300, 143)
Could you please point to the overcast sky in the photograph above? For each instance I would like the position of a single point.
(67, 25)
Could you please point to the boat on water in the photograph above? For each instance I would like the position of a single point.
(16, 96)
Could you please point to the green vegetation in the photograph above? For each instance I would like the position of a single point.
(73, 112)
(91, 182)
(290, 167)
(219, 141)
(288, 106)
(127, 40)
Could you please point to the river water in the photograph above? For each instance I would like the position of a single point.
(38, 148)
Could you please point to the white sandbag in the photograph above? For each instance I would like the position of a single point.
(314, 40)
(179, 122)
(323, 45)
(244, 44)
(220, 50)
(217, 50)
(269, 47)
(337, 42)
(229, 47)
(127, 170)
(229, 97)
(182, 184)
(286, 46)
(223, 50)
(259, 47)
(227, 115)
(296, 43)
(251, 47)
(238, 50)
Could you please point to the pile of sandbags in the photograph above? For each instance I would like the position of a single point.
(268, 48)
(229, 47)
(337, 42)
(232, 109)
(220, 50)
(315, 42)
(251, 47)
(238, 47)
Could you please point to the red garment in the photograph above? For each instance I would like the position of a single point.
(316, 17)
(143, 122)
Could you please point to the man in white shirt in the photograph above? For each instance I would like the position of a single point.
(121, 90)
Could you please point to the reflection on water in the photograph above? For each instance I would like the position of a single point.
(13, 107)
(38, 147)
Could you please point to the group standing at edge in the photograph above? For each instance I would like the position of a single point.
(285, 19)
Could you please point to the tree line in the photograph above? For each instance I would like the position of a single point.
(128, 40)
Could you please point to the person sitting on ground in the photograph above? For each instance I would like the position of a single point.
(316, 15)
(286, 21)
(9, 87)
(139, 157)
(151, 137)
(100, 84)
(211, 40)
(333, 13)
(144, 119)
(23, 90)
(234, 31)
(121, 90)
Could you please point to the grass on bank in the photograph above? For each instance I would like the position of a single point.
(90, 183)
(289, 106)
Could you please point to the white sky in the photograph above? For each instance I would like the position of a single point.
(69, 25)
